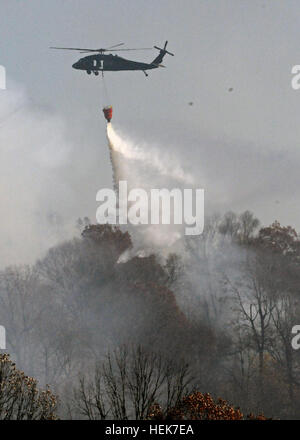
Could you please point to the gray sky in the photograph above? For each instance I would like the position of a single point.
(242, 146)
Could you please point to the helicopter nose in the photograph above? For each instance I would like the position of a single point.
(75, 65)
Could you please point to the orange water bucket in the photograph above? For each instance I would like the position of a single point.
(108, 111)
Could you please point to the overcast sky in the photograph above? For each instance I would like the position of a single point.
(242, 145)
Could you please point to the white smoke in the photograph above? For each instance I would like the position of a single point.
(33, 194)
(147, 167)
(149, 156)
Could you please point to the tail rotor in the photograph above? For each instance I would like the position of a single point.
(164, 51)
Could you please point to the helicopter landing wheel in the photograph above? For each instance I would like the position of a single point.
(96, 72)
(88, 72)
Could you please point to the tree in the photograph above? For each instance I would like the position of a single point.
(248, 225)
(198, 406)
(239, 228)
(20, 398)
(129, 382)
(20, 310)
(284, 315)
(255, 307)
(279, 239)
(267, 299)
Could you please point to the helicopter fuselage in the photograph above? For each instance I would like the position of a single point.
(102, 63)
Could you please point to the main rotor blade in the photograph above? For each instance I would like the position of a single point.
(73, 48)
(116, 45)
(88, 51)
(113, 50)
(101, 50)
(141, 48)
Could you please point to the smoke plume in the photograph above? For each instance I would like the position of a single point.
(34, 152)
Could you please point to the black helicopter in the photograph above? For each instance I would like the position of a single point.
(101, 63)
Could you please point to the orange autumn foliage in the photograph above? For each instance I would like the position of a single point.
(198, 406)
